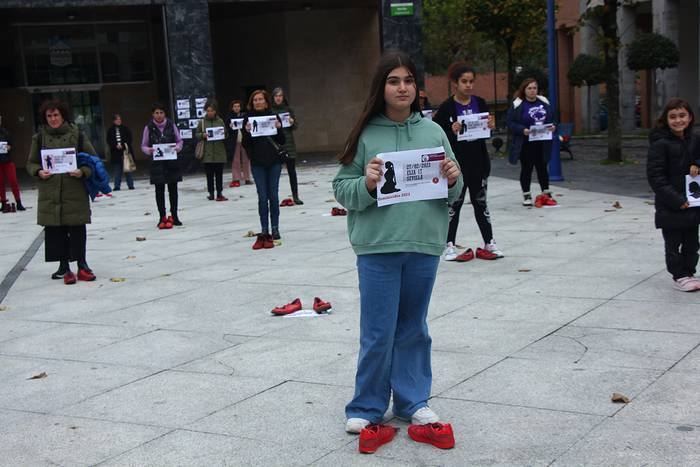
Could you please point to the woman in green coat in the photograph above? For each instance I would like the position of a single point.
(63, 207)
(212, 130)
(281, 106)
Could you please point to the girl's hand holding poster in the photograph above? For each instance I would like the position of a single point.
(263, 126)
(216, 133)
(411, 176)
(164, 152)
(541, 132)
(59, 161)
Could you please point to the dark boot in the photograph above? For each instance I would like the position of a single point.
(20, 207)
(63, 268)
(295, 198)
(176, 220)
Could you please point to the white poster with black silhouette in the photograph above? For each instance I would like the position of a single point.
(473, 127)
(692, 189)
(164, 152)
(59, 161)
(412, 175)
(427, 114)
(284, 116)
(236, 123)
(541, 132)
(216, 133)
(263, 126)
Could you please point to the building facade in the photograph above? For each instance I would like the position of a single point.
(120, 56)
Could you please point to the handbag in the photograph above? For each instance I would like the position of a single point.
(281, 152)
(128, 164)
(199, 148)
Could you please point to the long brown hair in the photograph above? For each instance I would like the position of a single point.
(675, 104)
(375, 103)
(520, 93)
(265, 94)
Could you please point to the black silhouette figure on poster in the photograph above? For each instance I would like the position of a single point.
(463, 127)
(159, 153)
(49, 162)
(390, 180)
(255, 126)
(694, 189)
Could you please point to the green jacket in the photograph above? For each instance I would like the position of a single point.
(63, 199)
(289, 143)
(413, 227)
(214, 151)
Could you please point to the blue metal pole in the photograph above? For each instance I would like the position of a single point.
(555, 174)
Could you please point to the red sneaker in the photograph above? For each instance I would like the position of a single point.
(287, 202)
(320, 306)
(234, 184)
(295, 305)
(259, 242)
(86, 275)
(466, 256)
(69, 278)
(221, 198)
(549, 201)
(164, 224)
(268, 242)
(486, 254)
(338, 212)
(373, 436)
(438, 434)
(540, 200)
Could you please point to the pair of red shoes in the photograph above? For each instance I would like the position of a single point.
(545, 199)
(439, 435)
(166, 223)
(264, 241)
(287, 202)
(480, 253)
(338, 212)
(295, 305)
(234, 184)
(83, 275)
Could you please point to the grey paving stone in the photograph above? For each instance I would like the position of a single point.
(557, 285)
(169, 399)
(14, 328)
(644, 315)
(531, 383)
(690, 363)
(626, 442)
(34, 439)
(207, 449)
(659, 288)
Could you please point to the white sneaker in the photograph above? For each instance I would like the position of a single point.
(527, 199)
(696, 282)
(355, 425)
(450, 253)
(423, 416)
(493, 248)
(686, 284)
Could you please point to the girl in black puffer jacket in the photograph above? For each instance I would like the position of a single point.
(674, 152)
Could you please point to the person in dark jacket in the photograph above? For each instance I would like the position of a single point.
(63, 206)
(162, 130)
(214, 156)
(266, 166)
(240, 165)
(674, 153)
(529, 109)
(8, 171)
(473, 159)
(118, 137)
(279, 106)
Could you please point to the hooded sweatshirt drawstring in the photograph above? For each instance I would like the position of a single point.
(398, 132)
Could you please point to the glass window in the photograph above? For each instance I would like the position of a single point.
(125, 52)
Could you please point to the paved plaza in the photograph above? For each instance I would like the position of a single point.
(172, 358)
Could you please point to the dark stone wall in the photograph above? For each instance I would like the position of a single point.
(404, 33)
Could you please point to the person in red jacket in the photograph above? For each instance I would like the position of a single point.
(8, 171)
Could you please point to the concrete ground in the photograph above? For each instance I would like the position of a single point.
(172, 358)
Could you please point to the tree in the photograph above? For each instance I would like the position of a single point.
(603, 17)
(587, 70)
(651, 51)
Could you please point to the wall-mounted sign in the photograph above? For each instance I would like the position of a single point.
(59, 53)
(402, 9)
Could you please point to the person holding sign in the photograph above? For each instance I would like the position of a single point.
(63, 207)
(281, 106)
(240, 167)
(8, 171)
(398, 249)
(161, 140)
(267, 166)
(210, 130)
(530, 109)
(674, 152)
(119, 140)
(473, 159)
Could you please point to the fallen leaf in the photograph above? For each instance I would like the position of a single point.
(524, 270)
(146, 213)
(610, 210)
(117, 279)
(3, 307)
(277, 242)
(620, 398)
(140, 239)
(41, 375)
(72, 427)
(250, 233)
(332, 200)
(131, 257)
(617, 205)
(167, 274)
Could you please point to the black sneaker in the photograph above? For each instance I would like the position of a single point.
(276, 234)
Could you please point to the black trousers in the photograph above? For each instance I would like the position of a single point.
(531, 156)
(477, 187)
(215, 169)
(65, 243)
(681, 251)
(292, 171)
(160, 198)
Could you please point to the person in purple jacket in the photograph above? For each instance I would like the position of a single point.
(529, 109)
(162, 130)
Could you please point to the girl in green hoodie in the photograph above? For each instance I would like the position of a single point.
(398, 249)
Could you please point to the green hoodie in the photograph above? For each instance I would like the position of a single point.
(414, 227)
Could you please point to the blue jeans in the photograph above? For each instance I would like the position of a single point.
(118, 169)
(267, 182)
(395, 291)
